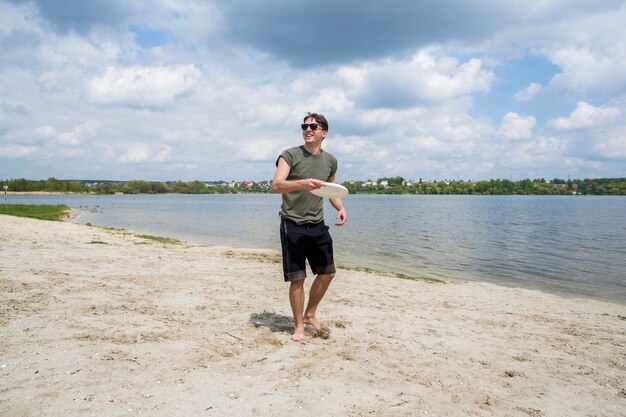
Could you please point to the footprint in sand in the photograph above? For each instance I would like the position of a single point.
(323, 332)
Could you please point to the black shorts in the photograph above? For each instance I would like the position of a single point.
(310, 242)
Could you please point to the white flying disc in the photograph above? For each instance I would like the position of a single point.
(331, 190)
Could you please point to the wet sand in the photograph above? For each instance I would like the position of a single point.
(102, 322)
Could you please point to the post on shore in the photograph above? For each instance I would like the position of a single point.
(6, 187)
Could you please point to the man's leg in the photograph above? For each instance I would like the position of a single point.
(318, 289)
(296, 298)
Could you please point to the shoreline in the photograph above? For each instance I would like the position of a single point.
(109, 323)
(575, 288)
(596, 293)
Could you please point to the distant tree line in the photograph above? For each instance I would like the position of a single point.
(397, 185)
(392, 185)
(49, 185)
(133, 187)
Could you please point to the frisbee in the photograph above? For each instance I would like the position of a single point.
(331, 190)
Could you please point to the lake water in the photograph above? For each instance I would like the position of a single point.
(573, 245)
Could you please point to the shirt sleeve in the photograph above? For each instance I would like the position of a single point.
(287, 156)
(333, 166)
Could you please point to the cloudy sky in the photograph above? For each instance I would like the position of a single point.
(215, 89)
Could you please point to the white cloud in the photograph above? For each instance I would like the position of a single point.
(79, 133)
(429, 77)
(515, 126)
(144, 86)
(453, 126)
(30, 136)
(357, 149)
(589, 72)
(528, 93)
(427, 143)
(614, 146)
(259, 150)
(585, 116)
(45, 132)
(332, 99)
(21, 18)
(17, 151)
(137, 152)
(50, 135)
(360, 158)
(542, 151)
(163, 153)
(144, 152)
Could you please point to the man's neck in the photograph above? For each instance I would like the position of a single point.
(313, 148)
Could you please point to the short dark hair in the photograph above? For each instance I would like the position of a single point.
(319, 118)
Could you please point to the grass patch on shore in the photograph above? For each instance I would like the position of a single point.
(148, 238)
(391, 274)
(160, 239)
(36, 211)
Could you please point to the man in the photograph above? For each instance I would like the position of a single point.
(303, 234)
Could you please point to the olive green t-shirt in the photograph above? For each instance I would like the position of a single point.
(301, 206)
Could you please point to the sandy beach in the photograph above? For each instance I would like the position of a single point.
(102, 322)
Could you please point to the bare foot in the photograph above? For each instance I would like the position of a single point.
(298, 336)
(320, 330)
(312, 321)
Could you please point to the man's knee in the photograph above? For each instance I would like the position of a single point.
(298, 283)
(327, 277)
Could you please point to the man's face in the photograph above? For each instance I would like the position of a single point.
(313, 136)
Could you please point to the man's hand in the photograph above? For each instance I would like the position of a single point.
(342, 216)
(311, 184)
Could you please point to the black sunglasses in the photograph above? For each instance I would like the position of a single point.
(313, 126)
